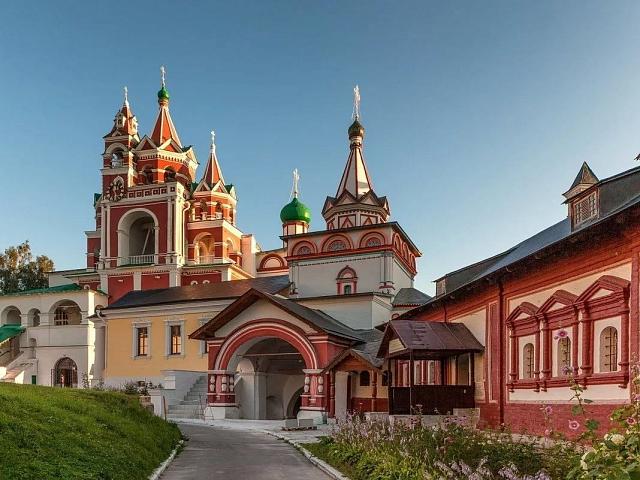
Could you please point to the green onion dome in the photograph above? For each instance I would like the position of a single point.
(356, 129)
(295, 211)
(163, 94)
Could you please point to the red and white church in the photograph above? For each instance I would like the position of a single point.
(331, 322)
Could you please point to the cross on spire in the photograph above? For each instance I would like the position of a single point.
(213, 140)
(356, 103)
(162, 73)
(126, 96)
(296, 180)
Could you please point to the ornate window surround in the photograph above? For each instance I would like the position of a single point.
(577, 315)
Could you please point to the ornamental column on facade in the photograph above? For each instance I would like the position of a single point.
(314, 395)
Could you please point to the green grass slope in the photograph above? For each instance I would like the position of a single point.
(79, 434)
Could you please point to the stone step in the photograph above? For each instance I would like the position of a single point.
(185, 408)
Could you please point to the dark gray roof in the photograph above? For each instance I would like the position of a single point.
(368, 350)
(410, 296)
(432, 338)
(616, 194)
(318, 318)
(201, 292)
(585, 176)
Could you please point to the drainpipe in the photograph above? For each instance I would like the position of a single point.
(503, 370)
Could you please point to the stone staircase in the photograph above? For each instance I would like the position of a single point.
(192, 406)
(9, 373)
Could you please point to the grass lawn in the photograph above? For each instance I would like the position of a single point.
(79, 434)
(323, 451)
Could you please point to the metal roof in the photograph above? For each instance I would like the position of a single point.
(200, 292)
(429, 339)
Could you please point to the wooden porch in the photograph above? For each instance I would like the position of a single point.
(431, 367)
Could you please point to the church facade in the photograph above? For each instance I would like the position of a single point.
(174, 293)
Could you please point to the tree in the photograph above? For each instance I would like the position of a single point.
(19, 271)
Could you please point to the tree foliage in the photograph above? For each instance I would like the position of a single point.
(20, 271)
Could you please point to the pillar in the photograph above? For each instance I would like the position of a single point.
(313, 395)
(374, 391)
(332, 394)
(221, 397)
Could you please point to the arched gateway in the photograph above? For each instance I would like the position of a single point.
(266, 358)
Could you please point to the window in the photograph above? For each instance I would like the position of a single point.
(365, 379)
(336, 246)
(609, 350)
(176, 340)
(304, 250)
(169, 175)
(373, 242)
(585, 209)
(142, 334)
(61, 317)
(432, 373)
(564, 356)
(528, 359)
(346, 281)
(147, 175)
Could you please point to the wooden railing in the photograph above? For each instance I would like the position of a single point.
(430, 399)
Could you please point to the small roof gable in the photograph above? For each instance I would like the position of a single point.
(315, 318)
(429, 339)
(585, 177)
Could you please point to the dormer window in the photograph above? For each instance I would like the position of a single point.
(585, 209)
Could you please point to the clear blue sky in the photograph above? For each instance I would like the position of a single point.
(478, 114)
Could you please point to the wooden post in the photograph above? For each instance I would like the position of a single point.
(472, 367)
(442, 372)
(374, 391)
(411, 368)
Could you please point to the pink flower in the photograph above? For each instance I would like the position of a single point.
(548, 432)
(631, 421)
(548, 410)
(574, 425)
(561, 334)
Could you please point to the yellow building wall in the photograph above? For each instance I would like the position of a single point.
(120, 343)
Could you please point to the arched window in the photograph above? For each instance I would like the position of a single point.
(347, 281)
(564, 356)
(609, 350)
(528, 361)
(194, 282)
(203, 210)
(169, 175)
(365, 378)
(304, 250)
(116, 159)
(147, 175)
(336, 246)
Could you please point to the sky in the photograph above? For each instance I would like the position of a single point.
(478, 115)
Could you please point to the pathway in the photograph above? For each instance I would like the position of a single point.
(238, 454)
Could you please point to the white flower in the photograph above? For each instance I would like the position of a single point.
(615, 438)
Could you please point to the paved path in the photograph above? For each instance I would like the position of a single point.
(236, 454)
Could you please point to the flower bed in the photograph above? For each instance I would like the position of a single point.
(378, 450)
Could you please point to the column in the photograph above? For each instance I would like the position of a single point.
(313, 396)
(221, 397)
(332, 394)
(513, 345)
(624, 342)
(575, 336)
(586, 324)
